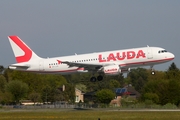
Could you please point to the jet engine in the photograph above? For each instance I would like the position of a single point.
(112, 70)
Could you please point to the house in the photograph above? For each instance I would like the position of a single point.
(128, 91)
(132, 92)
(79, 96)
(116, 102)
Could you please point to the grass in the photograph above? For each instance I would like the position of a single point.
(101, 114)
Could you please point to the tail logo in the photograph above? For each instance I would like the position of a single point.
(59, 62)
(27, 51)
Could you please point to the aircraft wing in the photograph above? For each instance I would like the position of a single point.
(88, 66)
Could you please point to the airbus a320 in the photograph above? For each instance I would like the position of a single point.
(103, 63)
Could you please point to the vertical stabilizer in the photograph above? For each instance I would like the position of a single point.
(22, 52)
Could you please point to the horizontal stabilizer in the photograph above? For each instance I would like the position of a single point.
(23, 66)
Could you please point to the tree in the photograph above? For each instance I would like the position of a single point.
(1, 68)
(6, 98)
(7, 74)
(35, 97)
(138, 78)
(50, 87)
(151, 96)
(18, 90)
(160, 87)
(158, 76)
(45, 84)
(69, 93)
(114, 84)
(173, 67)
(174, 92)
(2, 83)
(81, 87)
(105, 96)
(168, 91)
(46, 92)
(173, 72)
(119, 78)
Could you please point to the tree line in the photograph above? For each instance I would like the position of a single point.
(161, 88)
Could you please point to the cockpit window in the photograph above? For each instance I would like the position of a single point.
(162, 51)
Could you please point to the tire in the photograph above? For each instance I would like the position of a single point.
(93, 79)
(100, 78)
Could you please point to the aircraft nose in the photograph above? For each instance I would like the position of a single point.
(172, 56)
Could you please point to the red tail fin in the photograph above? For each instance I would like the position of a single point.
(21, 51)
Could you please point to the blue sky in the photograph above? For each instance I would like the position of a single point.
(64, 27)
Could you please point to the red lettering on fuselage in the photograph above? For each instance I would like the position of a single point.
(111, 70)
(101, 59)
(121, 56)
(130, 54)
(140, 54)
(111, 57)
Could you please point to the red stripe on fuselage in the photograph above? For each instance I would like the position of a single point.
(148, 62)
(51, 72)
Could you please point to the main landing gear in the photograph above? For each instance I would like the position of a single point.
(94, 79)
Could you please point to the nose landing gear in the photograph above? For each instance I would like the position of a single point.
(152, 71)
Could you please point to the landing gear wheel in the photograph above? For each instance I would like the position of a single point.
(100, 78)
(93, 79)
(153, 72)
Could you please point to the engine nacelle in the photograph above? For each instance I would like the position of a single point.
(112, 70)
(82, 70)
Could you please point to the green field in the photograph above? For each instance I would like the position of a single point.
(71, 114)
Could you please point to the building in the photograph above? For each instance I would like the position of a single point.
(126, 91)
(79, 96)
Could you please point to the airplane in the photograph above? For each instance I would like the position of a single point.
(103, 63)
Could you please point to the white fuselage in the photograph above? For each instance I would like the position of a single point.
(127, 58)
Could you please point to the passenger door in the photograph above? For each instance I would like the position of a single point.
(149, 53)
